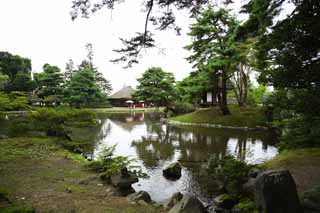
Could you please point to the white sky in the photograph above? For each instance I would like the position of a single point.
(42, 30)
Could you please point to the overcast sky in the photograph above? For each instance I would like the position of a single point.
(42, 30)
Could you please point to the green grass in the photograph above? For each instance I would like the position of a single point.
(23, 147)
(289, 158)
(240, 117)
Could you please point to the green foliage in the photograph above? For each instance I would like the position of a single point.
(13, 101)
(230, 170)
(183, 107)
(19, 127)
(109, 164)
(191, 88)
(247, 206)
(156, 86)
(300, 133)
(3, 81)
(49, 84)
(83, 91)
(256, 94)
(22, 82)
(312, 195)
(52, 121)
(18, 71)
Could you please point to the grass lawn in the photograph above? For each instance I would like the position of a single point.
(37, 173)
(240, 117)
(303, 164)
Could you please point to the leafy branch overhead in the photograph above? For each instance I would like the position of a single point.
(142, 40)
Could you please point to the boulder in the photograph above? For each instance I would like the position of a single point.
(253, 173)
(123, 181)
(249, 187)
(140, 196)
(224, 202)
(172, 171)
(276, 192)
(188, 204)
(176, 197)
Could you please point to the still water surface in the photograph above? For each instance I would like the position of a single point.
(154, 145)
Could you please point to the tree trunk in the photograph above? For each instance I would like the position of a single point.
(224, 103)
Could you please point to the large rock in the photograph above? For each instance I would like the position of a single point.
(188, 204)
(123, 181)
(249, 187)
(253, 173)
(224, 202)
(172, 171)
(141, 195)
(276, 193)
(176, 197)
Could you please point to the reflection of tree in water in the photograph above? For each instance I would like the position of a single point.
(91, 135)
(157, 146)
(197, 147)
(128, 121)
(150, 150)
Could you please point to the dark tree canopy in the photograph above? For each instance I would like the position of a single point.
(15, 68)
(156, 86)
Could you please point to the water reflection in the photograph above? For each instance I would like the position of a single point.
(154, 145)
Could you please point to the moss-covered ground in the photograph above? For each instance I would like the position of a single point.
(240, 117)
(303, 164)
(37, 173)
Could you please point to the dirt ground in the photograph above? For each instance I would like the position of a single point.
(59, 184)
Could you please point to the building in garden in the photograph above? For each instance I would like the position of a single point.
(123, 98)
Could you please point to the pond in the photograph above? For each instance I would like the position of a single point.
(154, 145)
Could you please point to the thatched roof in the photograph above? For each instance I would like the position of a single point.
(124, 93)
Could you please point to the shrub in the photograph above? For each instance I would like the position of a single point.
(108, 164)
(247, 206)
(183, 108)
(19, 127)
(229, 170)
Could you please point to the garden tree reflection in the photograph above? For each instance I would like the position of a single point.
(194, 145)
(151, 150)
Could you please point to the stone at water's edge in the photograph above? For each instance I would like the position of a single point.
(123, 181)
(175, 198)
(276, 193)
(188, 204)
(224, 202)
(172, 171)
(141, 195)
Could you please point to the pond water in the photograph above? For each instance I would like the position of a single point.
(154, 145)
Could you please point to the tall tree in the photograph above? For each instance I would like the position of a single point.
(11, 65)
(3, 81)
(213, 48)
(103, 83)
(157, 87)
(49, 84)
(82, 90)
(69, 70)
